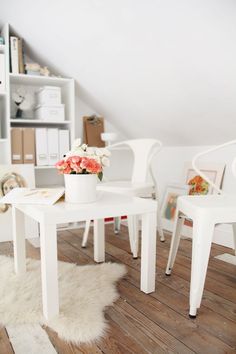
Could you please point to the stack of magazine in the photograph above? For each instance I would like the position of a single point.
(43, 196)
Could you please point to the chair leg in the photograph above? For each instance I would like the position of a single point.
(234, 235)
(117, 222)
(202, 238)
(178, 223)
(159, 225)
(86, 233)
(133, 234)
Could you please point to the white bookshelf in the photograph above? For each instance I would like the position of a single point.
(31, 83)
(34, 122)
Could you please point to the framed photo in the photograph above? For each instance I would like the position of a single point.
(168, 208)
(197, 185)
(12, 176)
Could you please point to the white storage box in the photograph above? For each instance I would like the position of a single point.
(50, 113)
(48, 96)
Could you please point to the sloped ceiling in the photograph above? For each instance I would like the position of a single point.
(154, 68)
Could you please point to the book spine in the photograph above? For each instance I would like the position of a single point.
(14, 55)
(21, 56)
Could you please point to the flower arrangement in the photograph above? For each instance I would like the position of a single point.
(198, 186)
(82, 159)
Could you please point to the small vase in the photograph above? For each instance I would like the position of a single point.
(80, 188)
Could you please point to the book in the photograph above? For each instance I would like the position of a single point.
(21, 56)
(37, 196)
(14, 55)
(16, 145)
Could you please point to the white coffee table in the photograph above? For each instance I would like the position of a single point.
(107, 205)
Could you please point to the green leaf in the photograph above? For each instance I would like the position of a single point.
(100, 175)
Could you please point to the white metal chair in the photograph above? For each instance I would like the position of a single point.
(206, 212)
(139, 185)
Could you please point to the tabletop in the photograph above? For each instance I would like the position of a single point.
(107, 205)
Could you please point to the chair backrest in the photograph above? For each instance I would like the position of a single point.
(143, 152)
(197, 156)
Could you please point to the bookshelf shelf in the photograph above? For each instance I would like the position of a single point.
(38, 80)
(38, 122)
(2, 94)
(44, 167)
(3, 141)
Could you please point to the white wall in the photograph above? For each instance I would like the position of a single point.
(153, 68)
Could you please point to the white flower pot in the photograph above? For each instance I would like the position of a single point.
(80, 188)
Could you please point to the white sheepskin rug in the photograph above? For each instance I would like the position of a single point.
(84, 293)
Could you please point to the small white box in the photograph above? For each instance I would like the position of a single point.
(50, 113)
(49, 96)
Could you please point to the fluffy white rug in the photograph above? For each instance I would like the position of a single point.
(84, 293)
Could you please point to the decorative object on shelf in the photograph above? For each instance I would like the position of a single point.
(108, 138)
(23, 100)
(168, 209)
(81, 166)
(36, 69)
(1, 40)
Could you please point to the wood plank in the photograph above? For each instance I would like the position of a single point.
(29, 338)
(5, 345)
(222, 328)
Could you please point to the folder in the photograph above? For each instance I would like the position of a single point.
(2, 74)
(64, 143)
(53, 146)
(16, 145)
(28, 145)
(41, 146)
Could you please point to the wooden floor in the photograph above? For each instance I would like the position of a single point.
(156, 323)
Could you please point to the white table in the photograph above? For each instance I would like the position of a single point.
(107, 205)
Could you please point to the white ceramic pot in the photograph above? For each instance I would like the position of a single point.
(80, 188)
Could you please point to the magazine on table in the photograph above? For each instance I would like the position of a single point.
(43, 196)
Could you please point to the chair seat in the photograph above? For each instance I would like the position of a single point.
(222, 208)
(128, 188)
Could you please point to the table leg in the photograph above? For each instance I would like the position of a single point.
(18, 221)
(48, 244)
(148, 253)
(99, 241)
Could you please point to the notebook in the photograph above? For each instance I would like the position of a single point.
(43, 196)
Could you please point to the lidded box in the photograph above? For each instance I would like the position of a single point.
(49, 96)
(50, 113)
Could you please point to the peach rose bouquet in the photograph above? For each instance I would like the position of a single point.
(82, 159)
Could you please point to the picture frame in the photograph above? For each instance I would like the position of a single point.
(197, 186)
(168, 208)
(214, 171)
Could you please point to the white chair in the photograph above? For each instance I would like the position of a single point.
(206, 212)
(139, 185)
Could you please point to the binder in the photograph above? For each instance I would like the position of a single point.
(28, 145)
(41, 146)
(2, 73)
(14, 55)
(16, 145)
(64, 144)
(53, 146)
